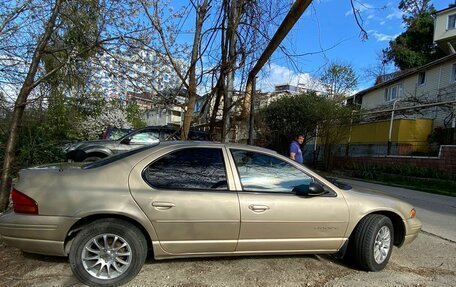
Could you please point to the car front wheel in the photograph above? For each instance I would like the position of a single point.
(108, 252)
(373, 242)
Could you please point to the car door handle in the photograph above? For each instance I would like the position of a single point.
(162, 205)
(258, 208)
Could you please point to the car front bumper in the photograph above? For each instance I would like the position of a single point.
(35, 233)
(412, 228)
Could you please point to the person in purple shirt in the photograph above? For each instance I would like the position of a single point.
(295, 149)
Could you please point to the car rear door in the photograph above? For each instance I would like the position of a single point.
(273, 218)
(185, 194)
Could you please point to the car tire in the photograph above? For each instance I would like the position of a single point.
(107, 252)
(373, 242)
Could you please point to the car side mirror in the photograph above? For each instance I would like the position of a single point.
(311, 189)
(316, 189)
(126, 141)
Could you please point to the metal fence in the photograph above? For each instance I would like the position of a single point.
(416, 148)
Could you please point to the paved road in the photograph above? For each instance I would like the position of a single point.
(438, 212)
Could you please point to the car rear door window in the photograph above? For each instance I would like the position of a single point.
(265, 173)
(191, 168)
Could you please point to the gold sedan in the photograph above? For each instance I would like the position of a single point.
(188, 199)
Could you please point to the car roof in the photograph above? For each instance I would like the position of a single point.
(191, 143)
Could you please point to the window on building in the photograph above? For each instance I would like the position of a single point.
(421, 78)
(192, 168)
(393, 92)
(451, 21)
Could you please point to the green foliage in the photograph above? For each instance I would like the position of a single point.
(340, 79)
(80, 27)
(300, 114)
(40, 140)
(291, 115)
(415, 46)
(45, 130)
(37, 146)
(134, 115)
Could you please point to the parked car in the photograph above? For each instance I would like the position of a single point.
(114, 133)
(187, 199)
(88, 151)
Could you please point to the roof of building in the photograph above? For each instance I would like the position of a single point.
(450, 7)
(403, 74)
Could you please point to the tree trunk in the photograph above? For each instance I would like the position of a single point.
(19, 107)
(288, 22)
(191, 93)
(219, 89)
(233, 21)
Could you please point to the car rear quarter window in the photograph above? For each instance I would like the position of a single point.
(264, 173)
(190, 168)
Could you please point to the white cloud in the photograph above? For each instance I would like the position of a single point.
(397, 14)
(380, 37)
(278, 75)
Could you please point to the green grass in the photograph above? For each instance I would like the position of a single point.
(408, 176)
(443, 187)
(430, 185)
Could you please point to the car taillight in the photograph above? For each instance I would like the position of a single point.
(22, 203)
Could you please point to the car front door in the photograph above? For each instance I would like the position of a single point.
(274, 218)
(185, 195)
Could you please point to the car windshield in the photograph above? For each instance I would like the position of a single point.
(128, 135)
(116, 157)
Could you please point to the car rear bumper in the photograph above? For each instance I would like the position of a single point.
(412, 228)
(36, 233)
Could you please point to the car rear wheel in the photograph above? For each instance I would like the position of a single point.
(108, 252)
(373, 242)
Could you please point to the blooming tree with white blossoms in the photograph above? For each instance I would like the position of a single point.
(112, 116)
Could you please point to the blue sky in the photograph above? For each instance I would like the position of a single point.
(330, 25)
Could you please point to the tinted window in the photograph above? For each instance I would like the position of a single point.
(261, 172)
(192, 168)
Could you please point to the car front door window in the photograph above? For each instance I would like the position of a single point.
(264, 173)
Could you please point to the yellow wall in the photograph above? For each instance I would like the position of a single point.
(414, 132)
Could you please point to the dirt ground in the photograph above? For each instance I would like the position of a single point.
(428, 261)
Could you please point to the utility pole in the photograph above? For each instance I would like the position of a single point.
(252, 117)
(288, 22)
